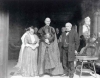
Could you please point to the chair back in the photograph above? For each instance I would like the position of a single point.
(91, 51)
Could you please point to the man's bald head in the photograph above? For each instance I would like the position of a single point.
(68, 24)
(47, 21)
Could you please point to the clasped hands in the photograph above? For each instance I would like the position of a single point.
(47, 41)
(76, 53)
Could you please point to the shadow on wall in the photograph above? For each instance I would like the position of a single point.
(15, 33)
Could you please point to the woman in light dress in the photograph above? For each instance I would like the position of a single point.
(18, 65)
(27, 63)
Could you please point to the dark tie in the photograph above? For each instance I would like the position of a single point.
(66, 31)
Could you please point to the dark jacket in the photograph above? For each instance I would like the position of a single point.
(73, 44)
(44, 30)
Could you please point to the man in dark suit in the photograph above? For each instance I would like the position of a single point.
(70, 44)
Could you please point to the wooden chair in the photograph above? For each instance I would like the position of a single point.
(84, 60)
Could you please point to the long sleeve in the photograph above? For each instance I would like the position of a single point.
(52, 38)
(60, 38)
(40, 33)
(26, 41)
(37, 39)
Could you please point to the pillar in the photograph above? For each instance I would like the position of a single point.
(96, 25)
(80, 29)
(4, 31)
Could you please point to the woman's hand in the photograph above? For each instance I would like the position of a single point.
(34, 46)
(35, 42)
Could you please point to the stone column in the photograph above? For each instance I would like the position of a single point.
(98, 21)
(4, 31)
(96, 25)
(80, 29)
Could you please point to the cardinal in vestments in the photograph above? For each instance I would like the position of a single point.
(49, 55)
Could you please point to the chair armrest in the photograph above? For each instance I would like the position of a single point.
(86, 58)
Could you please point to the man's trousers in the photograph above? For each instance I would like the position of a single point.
(68, 65)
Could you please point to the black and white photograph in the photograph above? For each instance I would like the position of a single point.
(49, 38)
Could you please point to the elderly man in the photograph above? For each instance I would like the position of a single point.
(49, 56)
(70, 43)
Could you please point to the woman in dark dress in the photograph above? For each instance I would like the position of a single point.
(82, 43)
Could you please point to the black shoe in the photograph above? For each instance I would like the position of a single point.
(71, 76)
(50, 75)
(41, 75)
(12, 73)
(67, 74)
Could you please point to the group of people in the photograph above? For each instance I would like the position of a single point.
(43, 53)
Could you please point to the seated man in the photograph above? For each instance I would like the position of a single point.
(89, 49)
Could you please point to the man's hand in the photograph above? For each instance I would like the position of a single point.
(35, 42)
(76, 52)
(47, 41)
(97, 42)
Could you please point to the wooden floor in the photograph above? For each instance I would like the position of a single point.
(12, 63)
